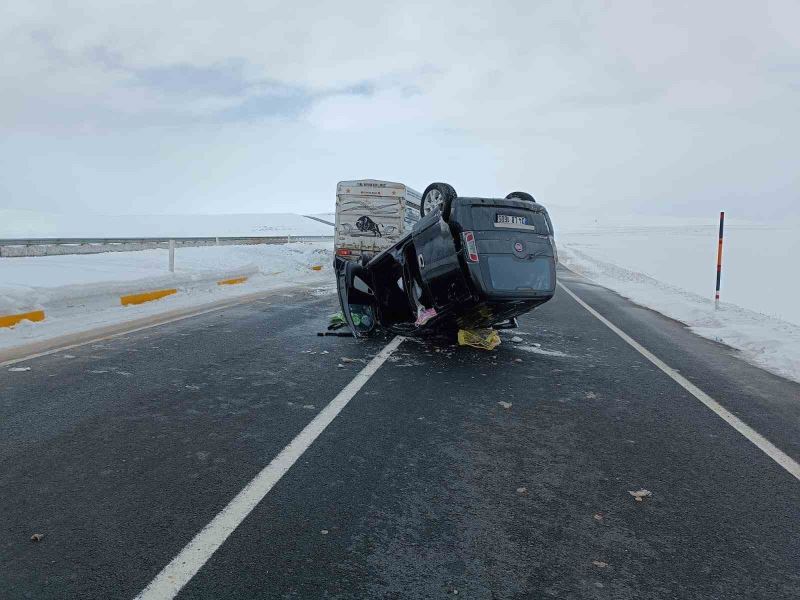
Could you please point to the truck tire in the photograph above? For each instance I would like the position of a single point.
(521, 196)
(437, 195)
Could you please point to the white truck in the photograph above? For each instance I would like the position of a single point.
(372, 215)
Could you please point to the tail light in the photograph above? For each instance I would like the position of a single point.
(343, 252)
(470, 246)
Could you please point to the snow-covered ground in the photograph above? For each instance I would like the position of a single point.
(80, 292)
(669, 265)
(32, 224)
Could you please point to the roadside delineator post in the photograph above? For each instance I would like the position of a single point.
(172, 256)
(719, 258)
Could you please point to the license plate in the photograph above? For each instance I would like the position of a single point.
(510, 219)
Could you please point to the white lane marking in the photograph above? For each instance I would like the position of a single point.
(110, 336)
(155, 320)
(767, 447)
(196, 553)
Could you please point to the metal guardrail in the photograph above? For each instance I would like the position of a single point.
(320, 220)
(269, 239)
(18, 247)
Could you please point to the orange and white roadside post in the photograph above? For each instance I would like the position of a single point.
(719, 258)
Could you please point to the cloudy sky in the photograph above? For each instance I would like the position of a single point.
(261, 106)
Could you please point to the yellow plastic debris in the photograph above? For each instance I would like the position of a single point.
(483, 339)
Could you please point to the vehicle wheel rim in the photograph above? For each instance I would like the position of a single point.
(433, 199)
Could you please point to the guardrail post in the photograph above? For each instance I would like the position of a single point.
(172, 256)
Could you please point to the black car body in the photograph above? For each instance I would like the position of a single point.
(477, 262)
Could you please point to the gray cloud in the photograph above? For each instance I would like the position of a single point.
(646, 106)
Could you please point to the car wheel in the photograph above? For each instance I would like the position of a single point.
(521, 196)
(437, 196)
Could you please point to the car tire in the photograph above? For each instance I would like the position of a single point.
(437, 195)
(521, 196)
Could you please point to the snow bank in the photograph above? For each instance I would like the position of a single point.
(82, 291)
(670, 267)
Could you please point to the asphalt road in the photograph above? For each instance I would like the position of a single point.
(424, 486)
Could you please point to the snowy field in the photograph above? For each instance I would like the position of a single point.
(32, 224)
(80, 292)
(669, 265)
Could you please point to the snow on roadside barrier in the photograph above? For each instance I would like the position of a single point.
(16, 319)
(88, 289)
(34, 282)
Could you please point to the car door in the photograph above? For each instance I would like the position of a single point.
(356, 297)
(438, 263)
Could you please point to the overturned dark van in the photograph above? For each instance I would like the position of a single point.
(468, 263)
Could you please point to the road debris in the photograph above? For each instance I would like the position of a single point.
(599, 517)
(505, 404)
(324, 532)
(344, 359)
(516, 339)
(37, 537)
(591, 395)
(522, 490)
(19, 369)
(482, 339)
(537, 349)
(640, 495)
(600, 564)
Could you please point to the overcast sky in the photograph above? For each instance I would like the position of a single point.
(664, 107)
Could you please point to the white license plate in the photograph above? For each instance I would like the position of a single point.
(511, 219)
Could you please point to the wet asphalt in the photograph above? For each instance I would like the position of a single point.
(425, 486)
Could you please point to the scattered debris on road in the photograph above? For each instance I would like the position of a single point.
(522, 490)
(483, 339)
(590, 395)
(324, 532)
(505, 404)
(37, 537)
(516, 339)
(640, 495)
(537, 349)
(344, 359)
(600, 564)
(599, 517)
(19, 369)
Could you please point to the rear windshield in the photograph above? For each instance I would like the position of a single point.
(509, 273)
